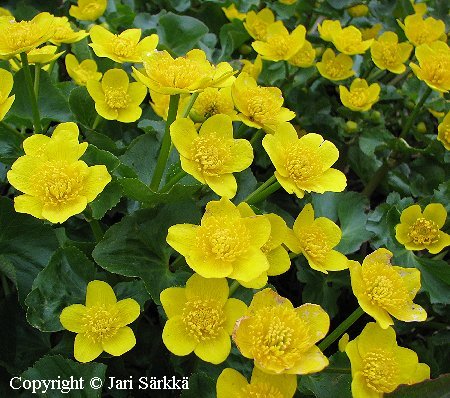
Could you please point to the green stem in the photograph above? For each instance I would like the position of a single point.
(96, 229)
(5, 286)
(173, 267)
(233, 287)
(33, 99)
(286, 69)
(50, 68)
(259, 133)
(415, 112)
(374, 75)
(341, 329)
(177, 177)
(241, 130)
(377, 178)
(261, 188)
(37, 78)
(190, 104)
(96, 122)
(166, 143)
(264, 194)
(12, 129)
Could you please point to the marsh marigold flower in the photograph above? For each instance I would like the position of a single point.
(253, 69)
(281, 338)
(116, 98)
(7, 84)
(201, 318)
(422, 31)
(418, 231)
(55, 183)
(259, 107)
(383, 290)
(213, 101)
(379, 365)
(279, 44)
(187, 74)
(327, 28)
(370, 33)
(212, 155)
(232, 384)
(303, 164)
(388, 53)
(101, 324)
(88, 10)
(225, 244)
(64, 33)
(315, 239)
(19, 37)
(231, 12)
(419, 8)
(5, 12)
(434, 65)
(349, 41)
(276, 254)
(42, 55)
(257, 23)
(124, 47)
(361, 96)
(83, 71)
(444, 131)
(304, 58)
(360, 10)
(334, 67)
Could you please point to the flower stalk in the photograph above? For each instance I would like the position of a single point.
(29, 82)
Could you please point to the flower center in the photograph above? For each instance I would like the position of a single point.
(259, 29)
(314, 243)
(261, 390)
(210, 154)
(210, 102)
(280, 44)
(116, 98)
(20, 34)
(261, 106)
(334, 68)
(100, 323)
(91, 10)
(62, 32)
(123, 47)
(437, 70)
(84, 74)
(389, 53)
(380, 370)
(203, 319)
(302, 164)
(423, 232)
(358, 97)
(352, 40)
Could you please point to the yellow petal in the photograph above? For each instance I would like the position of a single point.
(268, 298)
(374, 337)
(115, 79)
(173, 301)
(251, 266)
(21, 175)
(220, 125)
(198, 287)
(317, 320)
(34, 145)
(279, 261)
(292, 242)
(182, 238)
(331, 180)
(95, 90)
(443, 241)
(129, 114)
(122, 342)
(176, 339)
(61, 212)
(183, 134)
(335, 261)
(351, 349)
(410, 214)
(233, 310)
(435, 212)
(214, 351)
(85, 350)
(129, 310)
(29, 205)
(96, 180)
(99, 293)
(71, 318)
(284, 383)
(259, 228)
(360, 389)
(224, 185)
(312, 361)
(304, 219)
(230, 383)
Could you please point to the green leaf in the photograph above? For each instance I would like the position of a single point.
(136, 246)
(107, 199)
(26, 243)
(180, 33)
(134, 289)
(436, 388)
(82, 106)
(232, 36)
(94, 156)
(62, 283)
(10, 144)
(52, 367)
(200, 385)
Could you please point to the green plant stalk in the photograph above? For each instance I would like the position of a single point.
(259, 133)
(190, 104)
(97, 120)
(286, 70)
(374, 75)
(415, 112)
(37, 78)
(29, 82)
(166, 144)
(241, 130)
(5, 286)
(264, 194)
(233, 287)
(341, 329)
(261, 188)
(377, 178)
(177, 177)
(96, 229)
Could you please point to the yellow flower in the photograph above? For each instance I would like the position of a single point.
(213, 101)
(444, 131)
(434, 65)
(303, 164)
(315, 239)
(422, 31)
(201, 318)
(281, 338)
(418, 231)
(279, 44)
(388, 53)
(116, 98)
(253, 69)
(187, 74)
(231, 384)
(327, 29)
(125, 47)
(334, 67)
(55, 183)
(88, 10)
(83, 71)
(231, 12)
(5, 12)
(304, 58)
(277, 255)
(383, 289)
(225, 244)
(288, 2)
(259, 107)
(257, 23)
(419, 8)
(212, 155)
(7, 84)
(370, 33)
(19, 37)
(360, 10)
(343, 341)
(361, 96)
(64, 32)
(42, 55)
(379, 365)
(101, 324)
(349, 41)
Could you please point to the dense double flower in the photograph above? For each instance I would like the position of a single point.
(201, 318)
(226, 244)
(422, 31)
(361, 96)
(281, 338)
(63, 32)
(7, 84)
(213, 101)
(383, 289)
(335, 67)
(212, 155)
(388, 53)
(55, 183)
(379, 365)
(304, 164)
(101, 324)
(82, 72)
